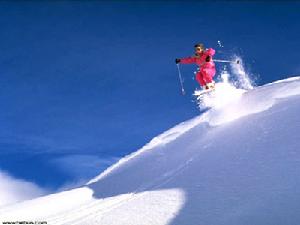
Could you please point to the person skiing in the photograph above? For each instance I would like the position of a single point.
(206, 70)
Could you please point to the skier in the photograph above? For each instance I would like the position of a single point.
(206, 70)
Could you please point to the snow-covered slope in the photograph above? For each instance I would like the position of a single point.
(238, 163)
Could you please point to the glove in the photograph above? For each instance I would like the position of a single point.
(207, 59)
(177, 61)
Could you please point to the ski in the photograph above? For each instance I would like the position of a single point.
(203, 92)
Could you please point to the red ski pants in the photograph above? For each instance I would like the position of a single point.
(205, 76)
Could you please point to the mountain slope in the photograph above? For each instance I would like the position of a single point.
(236, 164)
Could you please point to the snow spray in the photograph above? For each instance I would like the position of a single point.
(230, 86)
(241, 78)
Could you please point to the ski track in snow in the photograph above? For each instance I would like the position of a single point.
(86, 209)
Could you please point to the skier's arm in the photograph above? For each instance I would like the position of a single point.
(188, 60)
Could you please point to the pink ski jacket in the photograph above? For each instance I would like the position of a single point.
(200, 60)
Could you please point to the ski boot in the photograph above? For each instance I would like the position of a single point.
(210, 86)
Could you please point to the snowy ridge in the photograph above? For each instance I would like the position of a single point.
(235, 164)
(226, 95)
(162, 139)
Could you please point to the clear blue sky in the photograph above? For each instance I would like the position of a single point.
(84, 83)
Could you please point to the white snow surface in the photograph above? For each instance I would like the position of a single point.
(237, 163)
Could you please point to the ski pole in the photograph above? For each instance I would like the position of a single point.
(180, 79)
(226, 61)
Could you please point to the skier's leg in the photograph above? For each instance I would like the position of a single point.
(208, 75)
(199, 79)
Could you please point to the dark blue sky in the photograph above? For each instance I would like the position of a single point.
(84, 83)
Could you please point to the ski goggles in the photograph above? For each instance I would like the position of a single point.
(198, 49)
